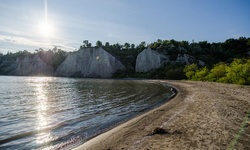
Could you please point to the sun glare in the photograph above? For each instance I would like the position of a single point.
(46, 29)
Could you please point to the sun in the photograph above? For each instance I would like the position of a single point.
(46, 29)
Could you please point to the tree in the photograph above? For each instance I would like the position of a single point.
(142, 45)
(89, 45)
(54, 49)
(85, 43)
(201, 74)
(248, 42)
(175, 43)
(155, 45)
(190, 70)
(218, 72)
(238, 71)
(98, 43)
(159, 40)
(127, 46)
(117, 46)
(204, 44)
(132, 46)
(107, 44)
(39, 50)
(184, 44)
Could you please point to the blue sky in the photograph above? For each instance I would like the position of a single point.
(118, 21)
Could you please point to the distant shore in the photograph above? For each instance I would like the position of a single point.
(203, 115)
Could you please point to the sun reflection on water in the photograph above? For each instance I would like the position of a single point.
(42, 123)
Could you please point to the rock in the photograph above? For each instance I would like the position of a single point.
(25, 66)
(184, 59)
(89, 62)
(201, 63)
(31, 65)
(158, 130)
(149, 59)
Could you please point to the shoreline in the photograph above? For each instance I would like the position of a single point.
(155, 105)
(93, 141)
(202, 115)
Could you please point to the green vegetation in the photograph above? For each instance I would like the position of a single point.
(169, 71)
(53, 57)
(236, 72)
(244, 124)
(215, 56)
(226, 62)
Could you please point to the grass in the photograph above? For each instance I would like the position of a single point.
(240, 132)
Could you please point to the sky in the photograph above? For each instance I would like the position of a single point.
(33, 24)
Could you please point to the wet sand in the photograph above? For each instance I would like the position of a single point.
(203, 115)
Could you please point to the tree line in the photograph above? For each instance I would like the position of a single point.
(212, 54)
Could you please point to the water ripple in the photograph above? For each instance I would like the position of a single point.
(45, 112)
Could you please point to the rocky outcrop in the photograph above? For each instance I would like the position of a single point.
(89, 62)
(149, 59)
(28, 65)
(184, 59)
(201, 63)
(32, 66)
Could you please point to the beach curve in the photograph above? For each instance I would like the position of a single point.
(202, 115)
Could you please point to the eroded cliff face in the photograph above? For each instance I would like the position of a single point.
(184, 59)
(28, 65)
(89, 62)
(32, 66)
(149, 59)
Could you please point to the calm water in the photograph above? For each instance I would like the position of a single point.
(49, 112)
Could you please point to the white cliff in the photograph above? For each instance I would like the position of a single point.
(89, 62)
(149, 59)
(31, 65)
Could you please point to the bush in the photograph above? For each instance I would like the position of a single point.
(237, 72)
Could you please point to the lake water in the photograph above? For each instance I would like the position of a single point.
(53, 113)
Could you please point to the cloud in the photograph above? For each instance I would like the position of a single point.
(64, 47)
(19, 40)
(16, 40)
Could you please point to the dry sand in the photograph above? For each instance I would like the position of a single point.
(203, 115)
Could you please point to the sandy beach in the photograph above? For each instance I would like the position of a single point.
(202, 115)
